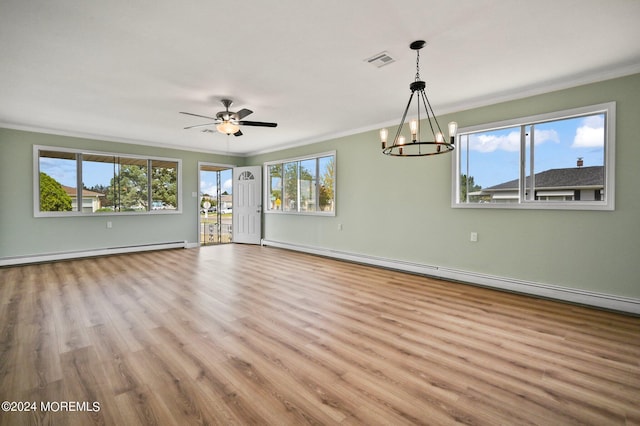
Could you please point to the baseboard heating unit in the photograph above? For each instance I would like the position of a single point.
(51, 257)
(545, 290)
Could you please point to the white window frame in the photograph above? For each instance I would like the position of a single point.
(608, 203)
(36, 183)
(267, 188)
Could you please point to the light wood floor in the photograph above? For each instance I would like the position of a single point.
(242, 334)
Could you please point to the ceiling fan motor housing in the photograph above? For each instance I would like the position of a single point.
(226, 115)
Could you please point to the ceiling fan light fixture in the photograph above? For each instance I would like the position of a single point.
(227, 127)
(229, 122)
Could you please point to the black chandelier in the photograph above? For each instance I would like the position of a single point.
(417, 147)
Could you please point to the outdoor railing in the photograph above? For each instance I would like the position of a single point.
(212, 232)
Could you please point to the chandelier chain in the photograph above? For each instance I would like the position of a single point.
(417, 65)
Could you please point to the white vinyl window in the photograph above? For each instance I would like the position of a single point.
(73, 182)
(560, 160)
(304, 185)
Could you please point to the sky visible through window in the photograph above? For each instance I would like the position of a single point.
(208, 182)
(494, 156)
(64, 171)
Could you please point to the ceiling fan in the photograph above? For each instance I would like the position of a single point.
(229, 122)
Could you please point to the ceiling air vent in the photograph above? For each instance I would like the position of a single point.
(381, 59)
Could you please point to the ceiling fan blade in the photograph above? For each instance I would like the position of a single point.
(243, 113)
(201, 125)
(238, 133)
(257, 123)
(198, 115)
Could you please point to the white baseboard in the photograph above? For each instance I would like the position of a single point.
(23, 260)
(567, 294)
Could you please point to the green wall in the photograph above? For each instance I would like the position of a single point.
(21, 234)
(393, 208)
(399, 208)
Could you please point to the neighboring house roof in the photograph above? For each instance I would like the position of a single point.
(574, 177)
(71, 192)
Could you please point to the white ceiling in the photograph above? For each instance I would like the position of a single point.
(121, 69)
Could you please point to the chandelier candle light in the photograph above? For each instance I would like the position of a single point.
(416, 147)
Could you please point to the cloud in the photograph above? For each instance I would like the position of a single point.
(590, 134)
(485, 142)
(542, 136)
(489, 143)
(209, 186)
(227, 185)
(63, 171)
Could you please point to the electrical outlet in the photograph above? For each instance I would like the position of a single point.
(474, 237)
(109, 225)
(339, 227)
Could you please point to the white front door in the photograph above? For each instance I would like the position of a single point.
(247, 204)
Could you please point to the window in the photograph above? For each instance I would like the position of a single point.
(561, 160)
(111, 183)
(303, 185)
